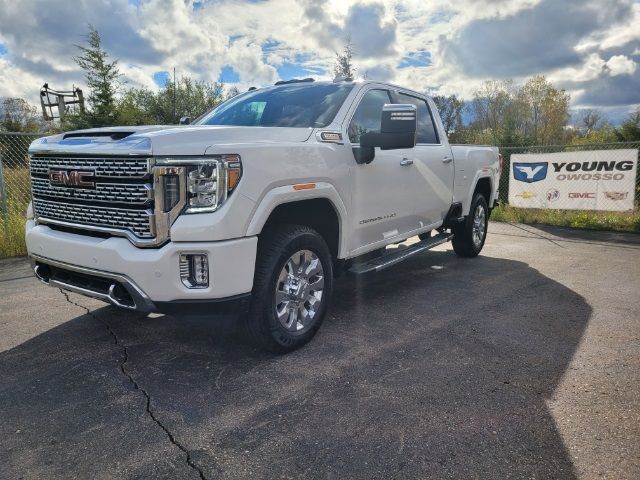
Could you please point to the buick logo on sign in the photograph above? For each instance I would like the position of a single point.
(72, 178)
(530, 172)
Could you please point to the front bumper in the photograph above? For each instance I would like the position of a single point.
(117, 272)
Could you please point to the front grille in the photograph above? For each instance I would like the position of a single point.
(109, 167)
(122, 199)
(136, 221)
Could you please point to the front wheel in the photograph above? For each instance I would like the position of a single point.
(470, 235)
(292, 287)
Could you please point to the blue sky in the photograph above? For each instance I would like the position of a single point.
(590, 48)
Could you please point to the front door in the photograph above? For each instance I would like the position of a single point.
(432, 166)
(381, 192)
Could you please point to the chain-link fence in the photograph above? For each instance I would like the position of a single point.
(15, 190)
(604, 164)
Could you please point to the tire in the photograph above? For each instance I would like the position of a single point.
(470, 235)
(288, 305)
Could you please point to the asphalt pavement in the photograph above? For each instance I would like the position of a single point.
(521, 363)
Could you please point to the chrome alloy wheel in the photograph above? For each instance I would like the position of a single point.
(299, 289)
(479, 226)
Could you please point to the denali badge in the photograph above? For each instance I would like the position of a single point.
(72, 178)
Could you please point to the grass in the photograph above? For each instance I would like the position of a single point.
(12, 224)
(612, 221)
(12, 233)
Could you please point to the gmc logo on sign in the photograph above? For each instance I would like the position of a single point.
(72, 178)
(582, 195)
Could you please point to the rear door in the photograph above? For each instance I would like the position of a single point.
(432, 168)
(381, 191)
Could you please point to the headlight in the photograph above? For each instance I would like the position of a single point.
(209, 180)
(202, 187)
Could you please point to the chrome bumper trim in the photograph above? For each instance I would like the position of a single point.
(141, 301)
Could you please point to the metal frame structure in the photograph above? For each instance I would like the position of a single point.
(51, 99)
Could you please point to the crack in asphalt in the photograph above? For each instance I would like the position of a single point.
(136, 385)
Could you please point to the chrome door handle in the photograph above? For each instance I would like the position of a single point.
(405, 162)
(447, 159)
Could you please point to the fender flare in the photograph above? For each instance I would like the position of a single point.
(480, 175)
(287, 194)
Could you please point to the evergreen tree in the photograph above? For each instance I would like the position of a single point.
(343, 67)
(102, 79)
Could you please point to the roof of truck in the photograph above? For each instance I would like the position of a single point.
(312, 82)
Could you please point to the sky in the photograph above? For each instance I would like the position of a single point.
(590, 48)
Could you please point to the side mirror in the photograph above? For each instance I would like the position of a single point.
(398, 130)
(185, 120)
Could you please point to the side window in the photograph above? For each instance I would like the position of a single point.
(368, 114)
(426, 128)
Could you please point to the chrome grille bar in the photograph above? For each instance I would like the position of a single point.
(139, 222)
(110, 167)
(124, 193)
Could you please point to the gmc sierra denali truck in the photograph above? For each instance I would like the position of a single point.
(257, 205)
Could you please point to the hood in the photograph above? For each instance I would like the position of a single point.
(164, 139)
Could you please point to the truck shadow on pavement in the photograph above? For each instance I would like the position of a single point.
(418, 372)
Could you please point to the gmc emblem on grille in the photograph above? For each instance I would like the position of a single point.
(72, 178)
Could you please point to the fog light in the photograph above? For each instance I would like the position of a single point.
(194, 270)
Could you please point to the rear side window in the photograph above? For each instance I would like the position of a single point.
(426, 128)
(368, 116)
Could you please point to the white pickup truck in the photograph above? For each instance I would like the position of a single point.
(256, 206)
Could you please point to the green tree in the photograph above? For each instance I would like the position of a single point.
(102, 79)
(544, 111)
(535, 113)
(603, 135)
(343, 67)
(450, 109)
(187, 97)
(493, 109)
(629, 131)
(17, 115)
(134, 107)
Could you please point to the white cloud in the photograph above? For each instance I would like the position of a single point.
(468, 41)
(621, 65)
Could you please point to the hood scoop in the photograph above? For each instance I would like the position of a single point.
(80, 138)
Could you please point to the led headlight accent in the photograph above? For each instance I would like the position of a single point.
(171, 185)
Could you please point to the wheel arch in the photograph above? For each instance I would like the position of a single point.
(320, 208)
(482, 184)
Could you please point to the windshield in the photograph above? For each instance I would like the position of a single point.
(286, 106)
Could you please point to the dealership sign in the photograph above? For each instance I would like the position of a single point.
(585, 180)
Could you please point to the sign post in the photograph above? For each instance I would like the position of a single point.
(4, 210)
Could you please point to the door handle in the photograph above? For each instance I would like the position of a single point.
(447, 159)
(405, 162)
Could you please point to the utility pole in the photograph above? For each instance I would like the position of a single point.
(174, 94)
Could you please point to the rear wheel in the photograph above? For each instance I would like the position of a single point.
(470, 235)
(292, 287)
